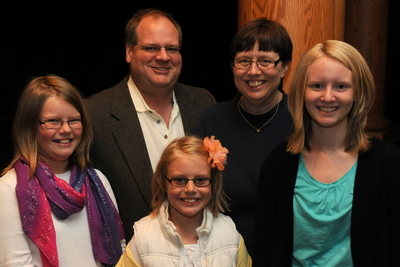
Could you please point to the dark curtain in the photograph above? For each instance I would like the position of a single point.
(85, 44)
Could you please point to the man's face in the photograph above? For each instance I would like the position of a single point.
(154, 70)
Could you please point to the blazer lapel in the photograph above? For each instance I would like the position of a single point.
(130, 140)
(185, 102)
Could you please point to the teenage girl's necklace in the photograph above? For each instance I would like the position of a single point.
(257, 129)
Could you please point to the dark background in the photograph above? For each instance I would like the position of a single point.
(85, 44)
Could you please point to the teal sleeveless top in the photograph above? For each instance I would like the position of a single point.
(322, 219)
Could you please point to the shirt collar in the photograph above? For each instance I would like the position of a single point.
(138, 101)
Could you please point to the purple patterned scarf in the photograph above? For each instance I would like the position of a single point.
(44, 193)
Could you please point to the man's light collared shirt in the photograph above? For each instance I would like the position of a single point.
(155, 131)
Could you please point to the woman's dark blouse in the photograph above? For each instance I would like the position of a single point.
(247, 151)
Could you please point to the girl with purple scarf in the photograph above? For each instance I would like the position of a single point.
(55, 209)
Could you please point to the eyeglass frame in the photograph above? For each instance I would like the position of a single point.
(157, 49)
(62, 123)
(274, 62)
(187, 181)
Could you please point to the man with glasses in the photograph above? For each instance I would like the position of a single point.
(256, 120)
(136, 119)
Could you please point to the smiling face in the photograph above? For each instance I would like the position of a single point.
(154, 70)
(255, 84)
(188, 202)
(329, 94)
(57, 145)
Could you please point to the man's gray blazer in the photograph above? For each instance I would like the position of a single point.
(119, 149)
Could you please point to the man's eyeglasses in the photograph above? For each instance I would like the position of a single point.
(152, 49)
(182, 182)
(57, 124)
(264, 64)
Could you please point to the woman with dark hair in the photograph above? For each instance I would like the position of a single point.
(330, 195)
(256, 120)
(55, 209)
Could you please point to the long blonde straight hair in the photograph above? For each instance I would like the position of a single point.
(356, 139)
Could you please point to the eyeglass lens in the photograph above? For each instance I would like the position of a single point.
(181, 182)
(57, 124)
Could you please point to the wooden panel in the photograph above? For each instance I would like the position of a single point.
(312, 21)
(367, 31)
(308, 22)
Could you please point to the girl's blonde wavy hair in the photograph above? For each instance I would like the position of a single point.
(182, 147)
